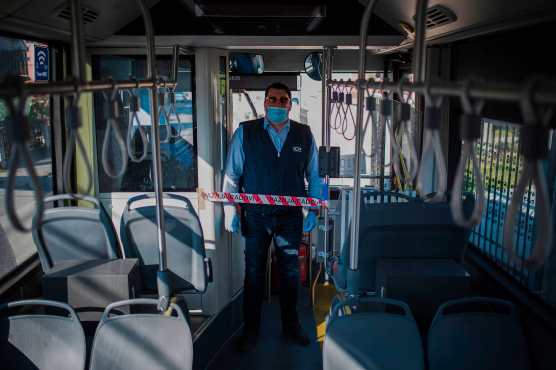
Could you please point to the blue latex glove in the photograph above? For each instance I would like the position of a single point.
(310, 222)
(231, 219)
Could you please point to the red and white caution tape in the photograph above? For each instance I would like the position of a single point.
(273, 200)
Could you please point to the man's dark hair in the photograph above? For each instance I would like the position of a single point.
(278, 86)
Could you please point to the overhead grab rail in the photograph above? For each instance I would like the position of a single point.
(470, 126)
(19, 134)
(134, 107)
(112, 113)
(433, 146)
(533, 148)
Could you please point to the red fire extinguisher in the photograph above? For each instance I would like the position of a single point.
(302, 263)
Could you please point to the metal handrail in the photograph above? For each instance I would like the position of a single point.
(485, 90)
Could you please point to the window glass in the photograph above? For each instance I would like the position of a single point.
(501, 166)
(31, 61)
(178, 155)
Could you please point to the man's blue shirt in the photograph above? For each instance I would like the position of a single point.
(236, 160)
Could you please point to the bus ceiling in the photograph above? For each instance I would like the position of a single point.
(259, 24)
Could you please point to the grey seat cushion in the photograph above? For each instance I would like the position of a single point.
(75, 233)
(465, 336)
(142, 341)
(411, 229)
(184, 243)
(373, 340)
(40, 341)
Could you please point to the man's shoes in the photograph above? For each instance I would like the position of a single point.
(246, 342)
(296, 334)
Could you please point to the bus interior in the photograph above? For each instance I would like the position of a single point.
(433, 121)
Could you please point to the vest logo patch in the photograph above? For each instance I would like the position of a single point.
(297, 149)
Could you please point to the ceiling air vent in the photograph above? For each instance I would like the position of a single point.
(89, 15)
(439, 15)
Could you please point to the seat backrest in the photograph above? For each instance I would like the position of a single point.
(185, 245)
(477, 334)
(142, 341)
(405, 228)
(41, 341)
(383, 340)
(75, 233)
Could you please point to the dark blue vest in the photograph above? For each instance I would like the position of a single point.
(267, 172)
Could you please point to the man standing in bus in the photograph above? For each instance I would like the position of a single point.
(272, 155)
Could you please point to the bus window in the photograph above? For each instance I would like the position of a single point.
(178, 155)
(500, 165)
(31, 61)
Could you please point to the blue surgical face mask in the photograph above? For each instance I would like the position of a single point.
(276, 114)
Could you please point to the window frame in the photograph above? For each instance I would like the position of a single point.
(133, 53)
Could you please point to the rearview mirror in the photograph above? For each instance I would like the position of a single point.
(313, 65)
(246, 64)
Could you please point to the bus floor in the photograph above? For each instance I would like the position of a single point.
(273, 350)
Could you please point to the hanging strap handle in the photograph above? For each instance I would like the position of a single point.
(173, 112)
(405, 121)
(370, 107)
(74, 123)
(470, 126)
(112, 112)
(134, 107)
(432, 145)
(19, 133)
(163, 114)
(533, 148)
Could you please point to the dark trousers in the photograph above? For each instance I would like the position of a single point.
(259, 228)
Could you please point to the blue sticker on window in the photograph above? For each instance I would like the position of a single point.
(41, 63)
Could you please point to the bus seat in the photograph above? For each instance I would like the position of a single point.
(477, 334)
(60, 234)
(185, 247)
(384, 338)
(41, 341)
(148, 341)
(410, 229)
